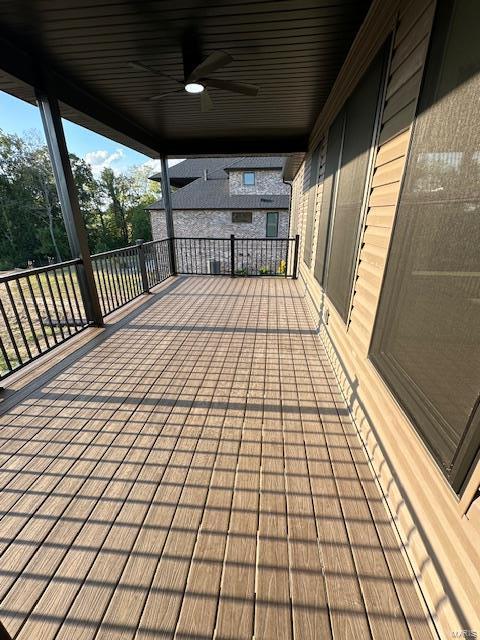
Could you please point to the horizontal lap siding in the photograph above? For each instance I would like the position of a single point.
(437, 530)
(403, 86)
(318, 199)
(303, 178)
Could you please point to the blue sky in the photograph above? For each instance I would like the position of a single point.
(17, 116)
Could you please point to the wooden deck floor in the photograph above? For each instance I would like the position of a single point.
(194, 474)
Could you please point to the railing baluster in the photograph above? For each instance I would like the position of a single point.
(82, 317)
(54, 304)
(27, 313)
(37, 311)
(10, 333)
(119, 279)
(47, 310)
(5, 355)
(18, 320)
(101, 285)
(57, 284)
(113, 298)
(127, 272)
(69, 301)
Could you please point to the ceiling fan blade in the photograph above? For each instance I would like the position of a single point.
(216, 60)
(206, 103)
(139, 66)
(234, 87)
(162, 95)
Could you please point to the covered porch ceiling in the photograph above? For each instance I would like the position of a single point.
(80, 51)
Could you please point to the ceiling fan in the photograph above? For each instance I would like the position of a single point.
(196, 78)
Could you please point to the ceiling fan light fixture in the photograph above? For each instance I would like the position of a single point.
(194, 87)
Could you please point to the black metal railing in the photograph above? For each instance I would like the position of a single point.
(124, 274)
(157, 261)
(40, 309)
(237, 256)
(118, 278)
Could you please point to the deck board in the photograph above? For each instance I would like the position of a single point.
(194, 473)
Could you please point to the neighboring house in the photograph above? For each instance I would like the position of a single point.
(217, 197)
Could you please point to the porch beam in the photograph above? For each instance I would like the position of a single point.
(167, 204)
(72, 215)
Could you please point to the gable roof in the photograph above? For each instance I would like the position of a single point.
(214, 194)
(194, 167)
(252, 162)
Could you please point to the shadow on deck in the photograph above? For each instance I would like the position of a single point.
(193, 472)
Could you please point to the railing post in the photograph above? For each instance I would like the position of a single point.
(295, 257)
(172, 256)
(143, 266)
(67, 194)
(167, 205)
(232, 255)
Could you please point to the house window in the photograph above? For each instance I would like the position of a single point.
(350, 182)
(272, 224)
(426, 343)
(242, 217)
(249, 178)
(311, 187)
(334, 148)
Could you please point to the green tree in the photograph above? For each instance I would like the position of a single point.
(32, 230)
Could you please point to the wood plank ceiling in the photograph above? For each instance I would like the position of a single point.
(291, 49)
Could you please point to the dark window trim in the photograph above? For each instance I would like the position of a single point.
(468, 449)
(382, 94)
(235, 213)
(387, 46)
(326, 208)
(252, 173)
(277, 213)
(333, 204)
(315, 165)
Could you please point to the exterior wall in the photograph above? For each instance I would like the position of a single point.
(215, 224)
(437, 528)
(218, 224)
(267, 181)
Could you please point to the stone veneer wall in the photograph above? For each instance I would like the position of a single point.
(267, 182)
(208, 223)
(218, 224)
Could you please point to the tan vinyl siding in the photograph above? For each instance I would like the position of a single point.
(438, 530)
(303, 177)
(318, 198)
(388, 171)
(408, 58)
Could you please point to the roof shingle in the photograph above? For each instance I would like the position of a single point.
(214, 194)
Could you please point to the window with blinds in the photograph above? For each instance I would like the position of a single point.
(361, 115)
(334, 148)
(312, 189)
(426, 343)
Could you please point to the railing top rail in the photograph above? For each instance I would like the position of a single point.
(37, 270)
(235, 238)
(150, 242)
(112, 252)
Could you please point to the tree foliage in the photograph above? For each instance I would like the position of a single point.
(31, 223)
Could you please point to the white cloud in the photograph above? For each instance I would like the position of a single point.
(153, 164)
(101, 159)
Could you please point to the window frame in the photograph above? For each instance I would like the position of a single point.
(248, 173)
(383, 58)
(315, 165)
(277, 214)
(240, 213)
(329, 209)
(417, 406)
